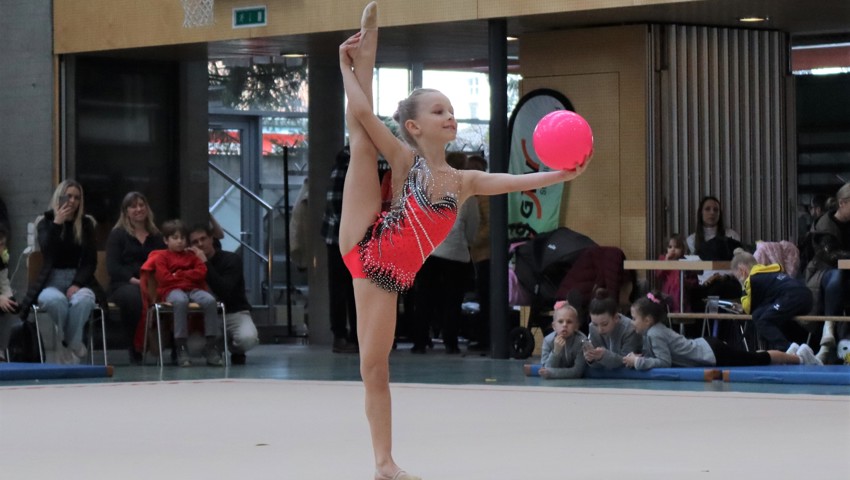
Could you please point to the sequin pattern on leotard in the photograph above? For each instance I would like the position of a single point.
(397, 244)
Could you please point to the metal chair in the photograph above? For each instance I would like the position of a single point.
(34, 263)
(156, 309)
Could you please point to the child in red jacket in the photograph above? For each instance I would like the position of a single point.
(670, 278)
(181, 278)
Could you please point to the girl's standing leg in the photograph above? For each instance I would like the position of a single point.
(375, 331)
(376, 308)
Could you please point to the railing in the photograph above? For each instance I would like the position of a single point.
(269, 256)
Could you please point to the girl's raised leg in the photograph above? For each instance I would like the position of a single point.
(361, 197)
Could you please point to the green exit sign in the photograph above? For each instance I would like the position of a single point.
(250, 17)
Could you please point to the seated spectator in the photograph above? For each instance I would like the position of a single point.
(227, 282)
(612, 335)
(670, 278)
(181, 278)
(772, 296)
(831, 239)
(815, 209)
(8, 306)
(562, 349)
(65, 286)
(663, 347)
(131, 240)
(713, 241)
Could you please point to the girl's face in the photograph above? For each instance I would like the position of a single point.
(435, 117)
(138, 211)
(710, 213)
(674, 249)
(642, 323)
(74, 197)
(604, 322)
(741, 273)
(565, 322)
(176, 242)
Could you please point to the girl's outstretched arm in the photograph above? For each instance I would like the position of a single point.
(483, 183)
(391, 147)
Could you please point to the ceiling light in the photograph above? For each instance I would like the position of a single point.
(753, 19)
(512, 39)
(293, 55)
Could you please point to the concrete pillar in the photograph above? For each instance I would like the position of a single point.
(326, 136)
(193, 140)
(28, 164)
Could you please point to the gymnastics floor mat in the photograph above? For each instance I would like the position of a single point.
(50, 371)
(791, 374)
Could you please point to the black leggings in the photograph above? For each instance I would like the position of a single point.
(729, 357)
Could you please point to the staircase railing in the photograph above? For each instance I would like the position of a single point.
(268, 257)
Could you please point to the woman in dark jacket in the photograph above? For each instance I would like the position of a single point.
(134, 237)
(66, 284)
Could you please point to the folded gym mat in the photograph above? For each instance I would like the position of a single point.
(44, 371)
(792, 374)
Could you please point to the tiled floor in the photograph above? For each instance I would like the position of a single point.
(313, 362)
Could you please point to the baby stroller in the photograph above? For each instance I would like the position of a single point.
(541, 265)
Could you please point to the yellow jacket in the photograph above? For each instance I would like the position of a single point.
(746, 299)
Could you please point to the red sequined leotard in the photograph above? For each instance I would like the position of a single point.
(397, 244)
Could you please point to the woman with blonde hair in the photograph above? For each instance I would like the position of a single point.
(131, 240)
(66, 284)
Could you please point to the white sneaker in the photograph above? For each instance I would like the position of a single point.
(824, 353)
(807, 356)
(792, 349)
(80, 352)
(828, 341)
(64, 356)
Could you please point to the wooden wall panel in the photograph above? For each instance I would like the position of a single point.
(512, 8)
(96, 25)
(604, 73)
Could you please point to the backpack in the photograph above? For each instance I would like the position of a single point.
(24, 343)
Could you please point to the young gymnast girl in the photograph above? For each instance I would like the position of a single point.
(663, 347)
(384, 250)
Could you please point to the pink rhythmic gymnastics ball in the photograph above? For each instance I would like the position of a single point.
(563, 140)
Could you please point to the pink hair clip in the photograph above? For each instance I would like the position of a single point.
(653, 298)
(559, 304)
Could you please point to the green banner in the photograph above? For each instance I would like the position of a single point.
(538, 209)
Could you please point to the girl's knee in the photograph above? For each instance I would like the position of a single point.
(373, 365)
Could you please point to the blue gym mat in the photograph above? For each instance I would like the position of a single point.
(44, 371)
(694, 374)
(791, 374)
